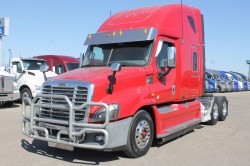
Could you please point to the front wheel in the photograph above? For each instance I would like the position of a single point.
(25, 93)
(140, 135)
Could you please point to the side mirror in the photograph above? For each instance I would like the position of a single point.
(112, 80)
(81, 58)
(115, 67)
(44, 68)
(165, 55)
(60, 69)
(171, 62)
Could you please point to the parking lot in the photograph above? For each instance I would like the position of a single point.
(227, 143)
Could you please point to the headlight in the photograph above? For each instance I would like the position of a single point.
(38, 88)
(113, 110)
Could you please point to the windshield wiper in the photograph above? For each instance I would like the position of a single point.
(90, 65)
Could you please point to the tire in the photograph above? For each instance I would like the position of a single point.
(25, 93)
(8, 103)
(223, 108)
(220, 91)
(140, 135)
(215, 112)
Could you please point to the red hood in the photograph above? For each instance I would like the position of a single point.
(99, 75)
(85, 74)
(128, 77)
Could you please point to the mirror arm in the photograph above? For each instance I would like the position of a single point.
(162, 74)
(44, 75)
(112, 81)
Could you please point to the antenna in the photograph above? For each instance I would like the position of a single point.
(110, 13)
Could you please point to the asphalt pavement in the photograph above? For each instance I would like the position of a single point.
(227, 143)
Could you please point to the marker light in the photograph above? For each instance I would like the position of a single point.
(145, 31)
(120, 33)
(108, 34)
(89, 36)
(113, 34)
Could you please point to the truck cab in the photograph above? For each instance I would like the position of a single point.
(28, 76)
(233, 80)
(60, 63)
(244, 79)
(210, 85)
(242, 86)
(221, 84)
(212, 80)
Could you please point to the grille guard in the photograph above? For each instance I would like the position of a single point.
(31, 120)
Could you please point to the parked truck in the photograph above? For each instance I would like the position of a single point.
(141, 79)
(221, 85)
(59, 63)
(28, 76)
(8, 89)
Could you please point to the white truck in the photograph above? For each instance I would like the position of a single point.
(8, 89)
(28, 76)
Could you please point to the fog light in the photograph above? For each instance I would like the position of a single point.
(99, 138)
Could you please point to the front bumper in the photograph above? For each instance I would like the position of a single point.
(70, 132)
(9, 97)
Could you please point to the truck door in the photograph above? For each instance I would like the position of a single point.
(163, 88)
(17, 70)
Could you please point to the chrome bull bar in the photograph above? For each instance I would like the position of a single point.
(31, 120)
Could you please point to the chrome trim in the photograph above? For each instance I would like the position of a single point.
(74, 129)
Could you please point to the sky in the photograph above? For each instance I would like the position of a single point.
(60, 27)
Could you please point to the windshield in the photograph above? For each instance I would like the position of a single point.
(244, 78)
(128, 54)
(72, 66)
(235, 78)
(217, 77)
(32, 64)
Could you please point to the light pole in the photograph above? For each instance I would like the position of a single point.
(0, 50)
(248, 62)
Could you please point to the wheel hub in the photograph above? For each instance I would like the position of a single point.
(216, 111)
(142, 134)
(224, 108)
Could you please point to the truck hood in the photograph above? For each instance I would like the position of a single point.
(39, 74)
(96, 74)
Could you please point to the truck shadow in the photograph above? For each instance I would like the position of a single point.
(84, 156)
(15, 105)
(78, 156)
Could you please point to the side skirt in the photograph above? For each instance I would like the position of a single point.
(178, 130)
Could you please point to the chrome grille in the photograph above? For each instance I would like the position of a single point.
(77, 95)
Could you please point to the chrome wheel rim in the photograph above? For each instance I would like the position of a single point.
(224, 108)
(216, 111)
(25, 94)
(142, 134)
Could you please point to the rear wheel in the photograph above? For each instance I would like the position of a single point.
(141, 135)
(223, 107)
(220, 91)
(215, 112)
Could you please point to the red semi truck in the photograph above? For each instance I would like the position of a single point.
(141, 80)
(60, 63)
